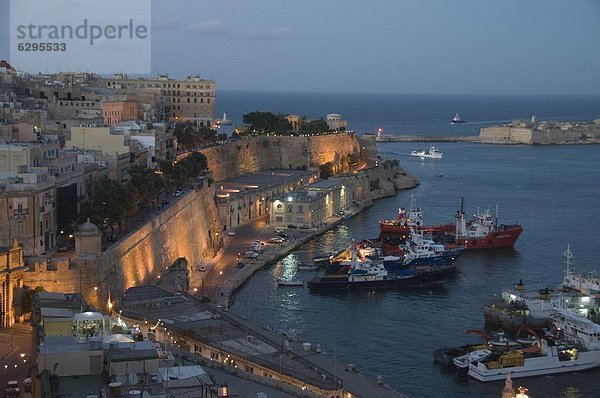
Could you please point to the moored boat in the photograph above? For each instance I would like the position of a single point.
(483, 232)
(463, 361)
(371, 274)
(585, 283)
(545, 359)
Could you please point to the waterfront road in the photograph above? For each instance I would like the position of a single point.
(219, 277)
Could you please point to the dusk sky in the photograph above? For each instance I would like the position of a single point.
(393, 46)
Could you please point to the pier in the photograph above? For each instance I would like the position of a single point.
(382, 138)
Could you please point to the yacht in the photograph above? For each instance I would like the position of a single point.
(432, 153)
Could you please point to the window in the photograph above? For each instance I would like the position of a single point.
(300, 209)
(279, 219)
(279, 208)
(289, 208)
(20, 228)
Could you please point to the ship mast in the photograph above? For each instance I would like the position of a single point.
(568, 260)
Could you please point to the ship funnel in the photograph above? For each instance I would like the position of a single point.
(519, 287)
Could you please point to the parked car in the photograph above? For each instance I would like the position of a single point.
(231, 233)
(276, 239)
(304, 226)
(292, 226)
(178, 193)
(240, 265)
(251, 254)
(12, 388)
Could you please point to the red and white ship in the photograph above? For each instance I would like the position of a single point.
(482, 232)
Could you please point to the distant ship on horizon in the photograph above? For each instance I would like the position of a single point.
(457, 119)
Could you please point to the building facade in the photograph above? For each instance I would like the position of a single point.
(191, 99)
(28, 211)
(11, 277)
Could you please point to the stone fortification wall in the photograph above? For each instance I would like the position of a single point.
(188, 228)
(252, 154)
(544, 133)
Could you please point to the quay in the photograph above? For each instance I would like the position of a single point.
(283, 364)
(209, 335)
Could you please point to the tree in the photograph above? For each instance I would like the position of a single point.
(267, 122)
(326, 170)
(315, 126)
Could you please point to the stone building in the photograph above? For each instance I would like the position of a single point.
(116, 150)
(248, 197)
(11, 277)
(27, 210)
(336, 123)
(303, 209)
(114, 112)
(191, 99)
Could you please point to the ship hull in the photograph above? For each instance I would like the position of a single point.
(340, 283)
(505, 237)
(539, 366)
(494, 240)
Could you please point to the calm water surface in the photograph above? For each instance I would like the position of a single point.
(552, 191)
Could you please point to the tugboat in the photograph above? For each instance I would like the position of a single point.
(401, 225)
(482, 232)
(457, 119)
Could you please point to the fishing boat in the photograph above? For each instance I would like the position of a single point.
(520, 305)
(463, 361)
(400, 226)
(483, 232)
(585, 283)
(542, 360)
(457, 119)
(370, 274)
(420, 250)
(283, 282)
(432, 153)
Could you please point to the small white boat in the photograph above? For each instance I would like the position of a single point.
(432, 153)
(502, 343)
(282, 282)
(463, 361)
(457, 119)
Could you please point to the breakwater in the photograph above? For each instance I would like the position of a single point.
(421, 138)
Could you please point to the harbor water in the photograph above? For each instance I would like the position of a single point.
(551, 190)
